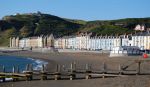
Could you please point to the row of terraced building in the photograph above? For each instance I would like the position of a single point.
(84, 41)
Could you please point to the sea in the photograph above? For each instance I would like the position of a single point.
(21, 62)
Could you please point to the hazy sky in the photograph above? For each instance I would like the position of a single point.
(79, 9)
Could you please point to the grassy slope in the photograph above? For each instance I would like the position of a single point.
(62, 26)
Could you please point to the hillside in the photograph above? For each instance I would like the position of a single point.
(34, 24)
(110, 27)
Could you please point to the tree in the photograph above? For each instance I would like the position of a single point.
(37, 31)
(25, 31)
(42, 29)
(10, 32)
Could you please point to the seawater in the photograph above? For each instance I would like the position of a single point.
(21, 62)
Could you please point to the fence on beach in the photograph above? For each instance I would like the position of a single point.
(71, 73)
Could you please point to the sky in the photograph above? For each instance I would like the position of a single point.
(79, 9)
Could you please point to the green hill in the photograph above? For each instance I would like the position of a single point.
(34, 24)
(110, 27)
(37, 24)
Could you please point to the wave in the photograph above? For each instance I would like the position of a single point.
(37, 64)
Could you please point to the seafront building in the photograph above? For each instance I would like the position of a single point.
(34, 42)
(88, 41)
(84, 41)
(141, 40)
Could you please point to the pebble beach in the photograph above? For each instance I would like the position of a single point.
(95, 59)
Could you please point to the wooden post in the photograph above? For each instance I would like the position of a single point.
(17, 69)
(120, 70)
(72, 73)
(27, 67)
(30, 67)
(57, 73)
(43, 69)
(74, 65)
(57, 76)
(43, 76)
(43, 73)
(104, 70)
(3, 69)
(72, 76)
(139, 67)
(58, 68)
(13, 70)
(88, 71)
(87, 67)
(71, 68)
(28, 73)
(63, 67)
(14, 77)
(3, 79)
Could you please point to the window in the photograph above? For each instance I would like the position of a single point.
(130, 38)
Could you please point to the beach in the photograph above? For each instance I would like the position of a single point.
(81, 59)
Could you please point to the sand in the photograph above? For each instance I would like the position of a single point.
(95, 59)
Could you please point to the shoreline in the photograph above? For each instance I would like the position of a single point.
(85, 57)
(49, 64)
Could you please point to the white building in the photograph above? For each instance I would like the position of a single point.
(89, 42)
(142, 40)
(139, 27)
(71, 42)
(86, 41)
(23, 42)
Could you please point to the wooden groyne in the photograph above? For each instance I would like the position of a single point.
(70, 73)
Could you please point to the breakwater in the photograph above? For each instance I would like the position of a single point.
(71, 72)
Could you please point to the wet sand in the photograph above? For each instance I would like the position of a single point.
(81, 59)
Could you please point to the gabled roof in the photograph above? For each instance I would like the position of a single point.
(145, 33)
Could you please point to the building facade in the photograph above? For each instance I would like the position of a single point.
(85, 41)
(141, 40)
(35, 42)
(89, 42)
